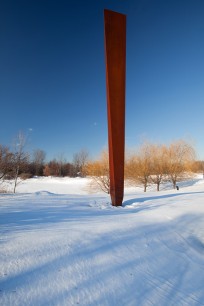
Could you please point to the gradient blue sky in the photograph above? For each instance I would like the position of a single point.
(52, 73)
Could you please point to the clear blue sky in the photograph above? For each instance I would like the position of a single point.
(52, 73)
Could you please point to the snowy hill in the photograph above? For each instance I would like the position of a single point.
(62, 246)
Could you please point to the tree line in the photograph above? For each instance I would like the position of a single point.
(148, 164)
(16, 163)
(157, 164)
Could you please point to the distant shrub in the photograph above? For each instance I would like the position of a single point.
(25, 176)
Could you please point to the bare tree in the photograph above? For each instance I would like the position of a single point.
(20, 157)
(6, 161)
(61, 162)
(179, 162)
(98, 171)
(38, 161)
(158, 164)
(80, 160)
(138, 167)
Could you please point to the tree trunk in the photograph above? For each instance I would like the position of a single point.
(16, 178)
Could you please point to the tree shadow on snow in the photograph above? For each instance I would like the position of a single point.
(152, 198)
(143, 265)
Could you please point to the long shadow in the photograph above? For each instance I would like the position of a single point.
(48, 209)
(143, 199)
(150, 261)
(64, 208)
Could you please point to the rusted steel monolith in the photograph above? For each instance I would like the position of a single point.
(115, 52)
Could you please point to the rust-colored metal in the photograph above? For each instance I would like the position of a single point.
(115, 51)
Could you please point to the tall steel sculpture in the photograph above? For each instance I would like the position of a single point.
(115, 51)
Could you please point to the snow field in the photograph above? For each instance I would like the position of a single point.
(61, 246)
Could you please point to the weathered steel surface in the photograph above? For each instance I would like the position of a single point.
(115, 51)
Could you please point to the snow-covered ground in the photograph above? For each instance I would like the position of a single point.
(61, 246)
